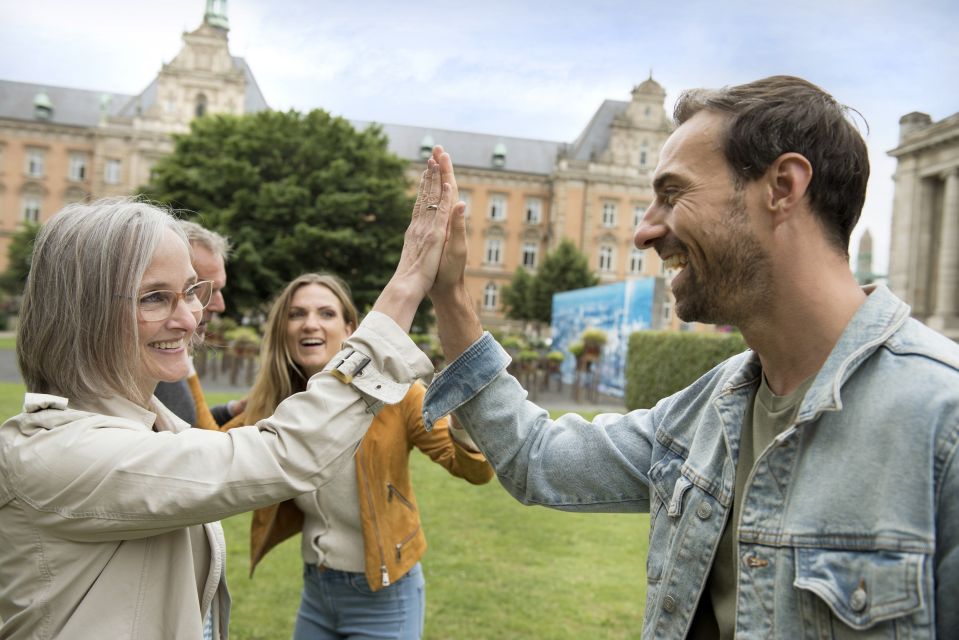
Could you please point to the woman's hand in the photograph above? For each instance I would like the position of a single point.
(423, 243)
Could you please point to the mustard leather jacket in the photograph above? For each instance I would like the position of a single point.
(392, 536)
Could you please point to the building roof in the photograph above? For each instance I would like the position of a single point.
(940, 132)
(81, 107)
(650, 87)
(595, 137)
(472, 149)
(254, 100)
(73, 107)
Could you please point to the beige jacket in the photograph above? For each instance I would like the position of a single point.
(102, 519)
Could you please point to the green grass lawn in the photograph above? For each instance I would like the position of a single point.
(494, 570)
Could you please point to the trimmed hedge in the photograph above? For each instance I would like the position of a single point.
(660, 363)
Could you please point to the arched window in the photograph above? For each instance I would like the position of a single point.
(490, 296)
(200, 109)
(606, 254)
(530, 249)
(494, 251)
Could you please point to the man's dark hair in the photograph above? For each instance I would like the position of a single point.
(783, 114)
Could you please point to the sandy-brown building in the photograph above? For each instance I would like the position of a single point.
(60, 145)
(523, 196)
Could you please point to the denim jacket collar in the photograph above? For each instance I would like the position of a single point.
(879, 316)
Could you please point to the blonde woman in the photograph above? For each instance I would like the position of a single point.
(362, 540)
(108, 502)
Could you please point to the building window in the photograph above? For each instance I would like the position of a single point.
(35, 163)
(667, 312)
(609, 214)
(534, 210)
(494, 250)
(636, 260)
(643, 154)
(78, 167)
(529, 255)
(465, 197)
(638, 213)
(606, 253)
(497, 206)
(200, 109)
(490, 296)
(111, 171)
(31, 208)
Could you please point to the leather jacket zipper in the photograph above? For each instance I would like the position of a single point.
(393, 491)
(402, 543)
(384, 574)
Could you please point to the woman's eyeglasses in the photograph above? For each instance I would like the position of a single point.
(154, 306)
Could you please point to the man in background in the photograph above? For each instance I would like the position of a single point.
(185, 397)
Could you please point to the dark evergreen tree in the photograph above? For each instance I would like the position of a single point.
(294, 193)
(563, 269)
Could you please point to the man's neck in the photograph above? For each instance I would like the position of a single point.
(799, 330)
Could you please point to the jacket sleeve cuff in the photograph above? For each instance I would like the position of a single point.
(465, 377)
(380, 361)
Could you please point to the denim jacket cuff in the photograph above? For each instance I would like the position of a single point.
(465, 377)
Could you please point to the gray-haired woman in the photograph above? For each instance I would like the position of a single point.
(108, 502)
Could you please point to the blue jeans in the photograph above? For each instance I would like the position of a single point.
(340, 604)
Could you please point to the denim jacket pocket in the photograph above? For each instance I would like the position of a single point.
(874, 590)
(668, 487)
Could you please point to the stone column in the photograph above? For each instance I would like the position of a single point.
(922, 260)
(946, 315)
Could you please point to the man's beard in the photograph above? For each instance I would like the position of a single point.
(737, 282)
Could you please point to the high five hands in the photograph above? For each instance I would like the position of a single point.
(434, 247)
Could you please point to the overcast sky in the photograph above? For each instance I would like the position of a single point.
(536, 69)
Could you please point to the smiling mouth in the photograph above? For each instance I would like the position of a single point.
(169, 345)
(675, 262)
(312, 342)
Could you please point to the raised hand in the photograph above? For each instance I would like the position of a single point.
(456, 319)
(453, 261)
(423, 246)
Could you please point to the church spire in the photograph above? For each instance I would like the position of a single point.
(215, 14)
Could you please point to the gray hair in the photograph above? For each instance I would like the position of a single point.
(210, 240)
(78, 334)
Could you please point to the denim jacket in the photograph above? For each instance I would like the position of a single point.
(850, 518)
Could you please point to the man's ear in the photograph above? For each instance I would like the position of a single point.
(788, 178)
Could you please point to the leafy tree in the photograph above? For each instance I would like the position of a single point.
(563, 269)
(294, 193)
(517, 295)
(19, 254)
